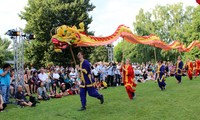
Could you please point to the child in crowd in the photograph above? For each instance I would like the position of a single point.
(63, 90)
(42, 93)
(74, 89)
(53, 91)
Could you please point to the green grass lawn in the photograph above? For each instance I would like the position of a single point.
(177, 102)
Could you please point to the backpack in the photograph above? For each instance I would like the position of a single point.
(32, 99)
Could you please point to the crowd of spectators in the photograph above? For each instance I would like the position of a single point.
(57, 81)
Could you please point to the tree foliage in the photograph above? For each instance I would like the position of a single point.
(169, 22)
(6, 54)
(100, 53)
(43, 16)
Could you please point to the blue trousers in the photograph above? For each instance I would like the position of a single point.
(178, 77)
(91, 91)
(161, 84)
(5, 89)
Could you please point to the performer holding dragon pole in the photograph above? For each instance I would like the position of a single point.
(189, 67)
(87, 83)
(160, 75)
(179, 68)
(128, 79)
(197, 66)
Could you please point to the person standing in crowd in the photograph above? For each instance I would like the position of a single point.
(189, 68)
(117, 75)
(87, 83)
(103, 72)
(128, 75)
(101, 69)
(5, 82)
(95, 73)
(97, 67)
(160, 75)
(197, 66)
(110, 70)
(179, 68)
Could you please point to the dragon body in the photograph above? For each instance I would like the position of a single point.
(66, 35)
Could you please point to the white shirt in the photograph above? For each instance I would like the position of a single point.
(134, 66)
(137, 72)
(56, 75)
(117, 70)
(72, 76)
(95, 72)
(98, 68)
(110, 70)
(43, 77)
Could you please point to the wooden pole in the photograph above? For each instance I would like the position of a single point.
(70, 47)
(123, 61)
(180, 54)
(155, 54)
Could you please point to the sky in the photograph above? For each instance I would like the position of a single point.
(107, 15)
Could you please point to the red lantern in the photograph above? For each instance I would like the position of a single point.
(198, 1)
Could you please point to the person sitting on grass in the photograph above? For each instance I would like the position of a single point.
(21, 98)
(73, 75)
(74, 89)
(98, 85)
(67, 80)
(53, 91)
(27, 78)
(56, 77)
(2, 104)
(42, 93)
(36, 80)
(103, 85)
(145, 75)
(63, 90)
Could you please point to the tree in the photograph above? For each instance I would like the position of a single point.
(6, 54)
(169, 22)
(44, 15)
(118, 52)
(193, 32)
(100, 53)
(125, 50)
